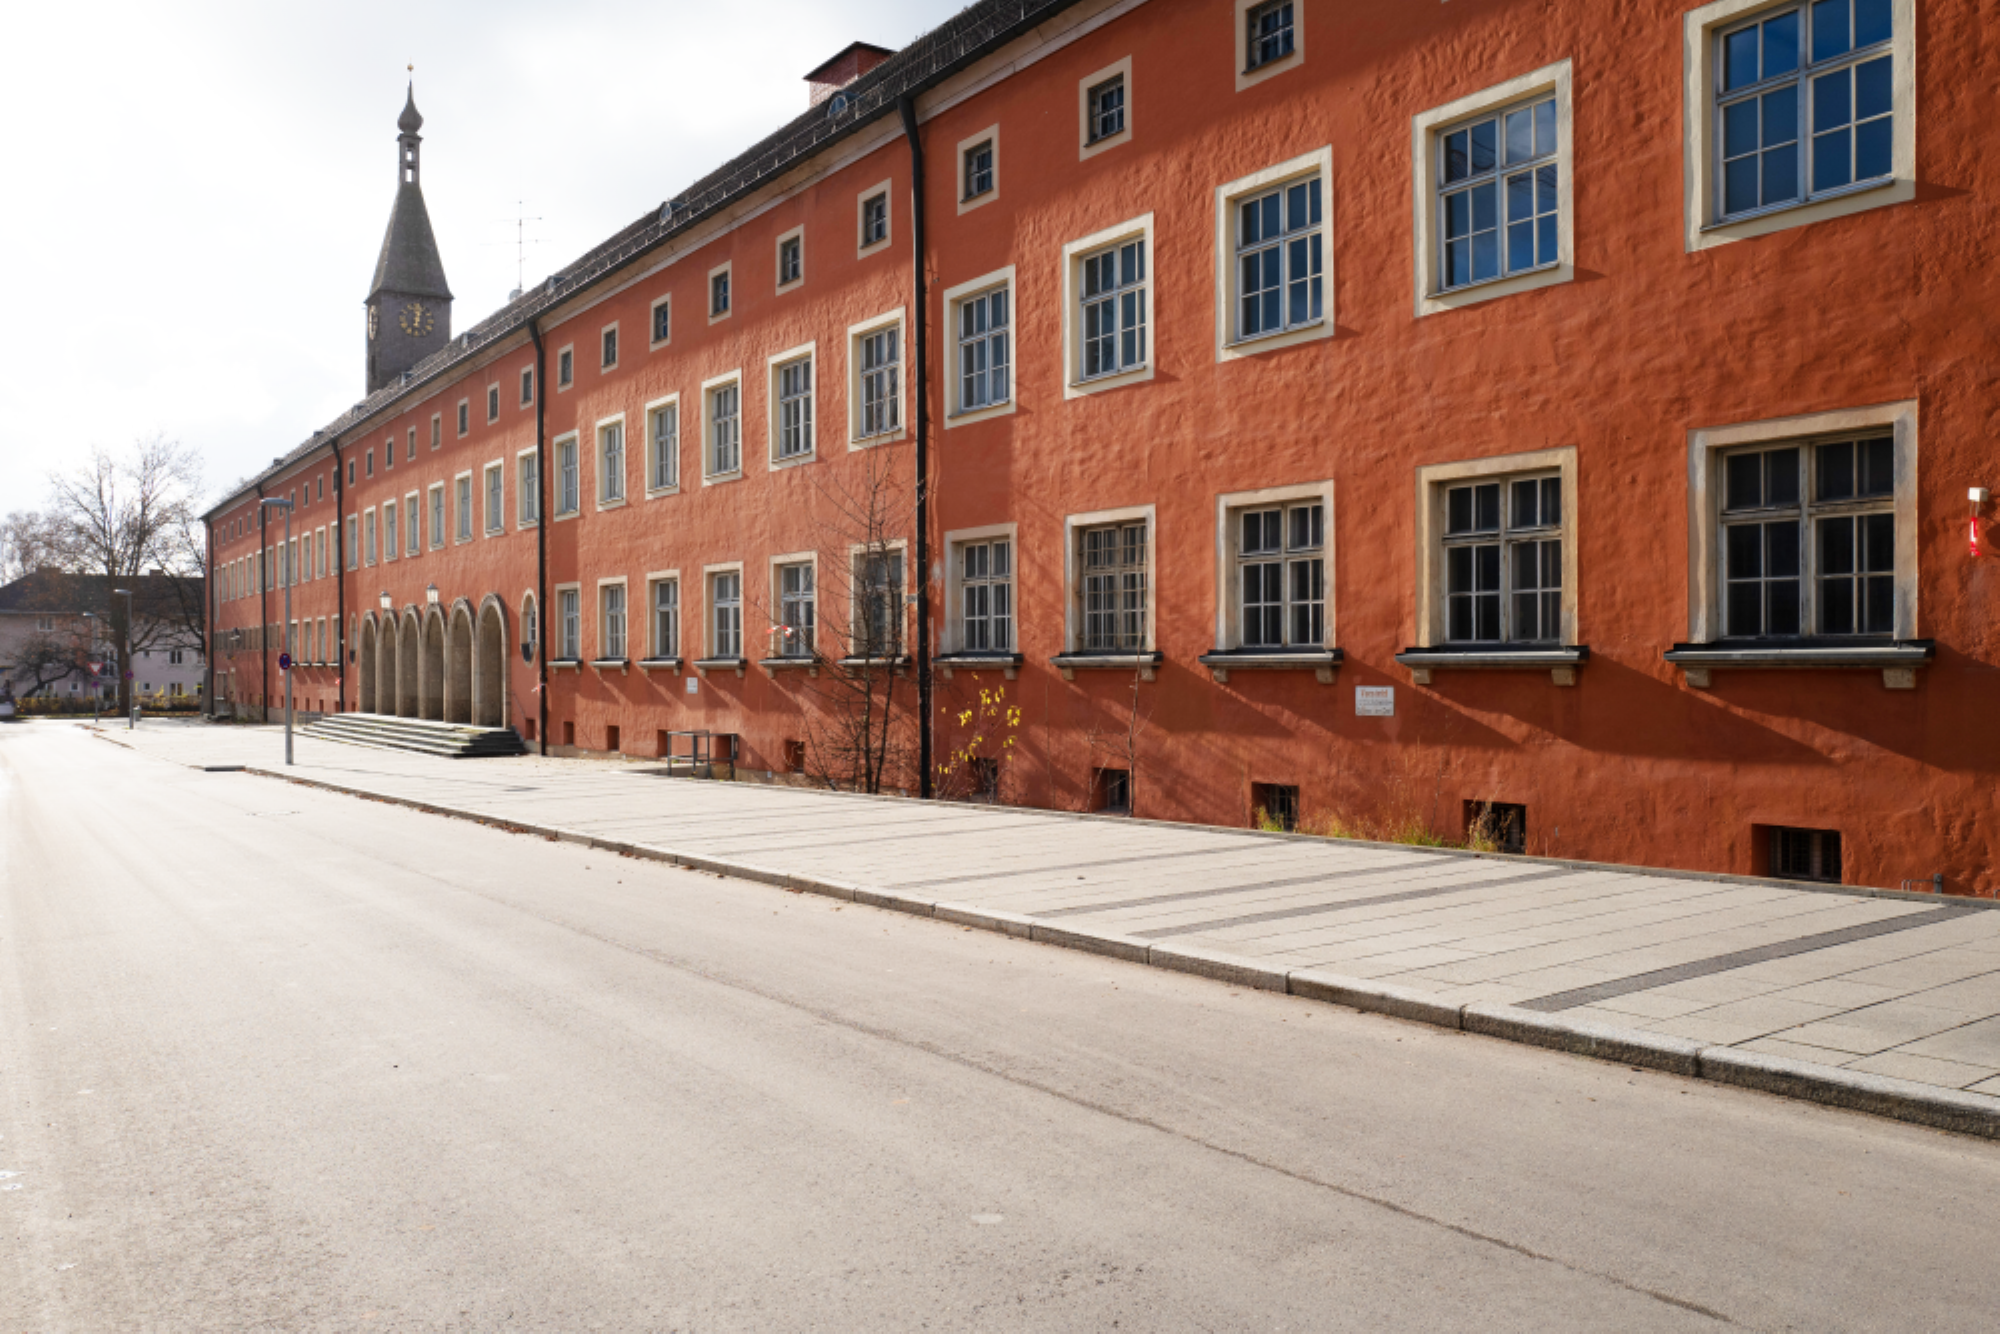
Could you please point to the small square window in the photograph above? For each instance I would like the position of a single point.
(1805, 854)
(1275, 806)
(1107, 109)
(979, 169)
(1499, 825)
(874, 220)
(1269, 36)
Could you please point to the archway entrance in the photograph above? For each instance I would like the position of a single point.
(489, 671)
(409, 652)
(430, 690)
(385, 670)
(458, 667)
(365, 701)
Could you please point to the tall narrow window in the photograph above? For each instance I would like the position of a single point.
(1503, 561)
(464, 417)
(496, 483)
(608, 349)
(568, 488)
(797, 610)
(667, 618)
(874, 220)
(663, 321)
(726, 614)
(531, 489)
(1804, 103)
(613, 610)
(370, 525)
(565, 368)
(983, 353)
(718, 293)
(350, 546)
(437, 515)
(1114, 588)
(1497, 196)
(1809, 540)
(1281, 555)
(411, 534)
(569, 627)
(791, 260)
(492, 413)
(1270, 36)
(795, 409)
(462, 501)
(1107, 109)
(878, 611)
(881, 391)
(1114, 310)
(986, 596)
(725, 430)
(664, 447)
(527, 388)
(1279, 260)
(390, 546)
(611, 463)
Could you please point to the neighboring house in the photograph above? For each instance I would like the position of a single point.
(53, 627)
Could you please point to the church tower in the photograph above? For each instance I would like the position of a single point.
(409, 306)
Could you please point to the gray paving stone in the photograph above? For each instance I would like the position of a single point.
(1976, 1043)
(1798, 1051)
(1924, 1069)
(1880, 1027)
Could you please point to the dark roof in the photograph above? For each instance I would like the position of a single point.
(411, 120)
(53, 591)
(843, 54)
(959, 41)
(409, 263)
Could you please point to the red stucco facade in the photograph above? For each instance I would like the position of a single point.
(1665, 339)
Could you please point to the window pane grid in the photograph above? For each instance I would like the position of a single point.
(612, 486)
(1503, 561)
(666, 466)
(795, 423)
(727, 597)
(725, 438)
(1107, 109)
(614, 621)
(983, 363)
(666, 619)
(1497, 180)
(881, 395)
(1114, 588)
(1279, 259)
(986, 592)
(1815, 519)
(797, 607)
(1282, 577)
(1114, 310)
(1271, 35)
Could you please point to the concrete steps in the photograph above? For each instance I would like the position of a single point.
(455, 740)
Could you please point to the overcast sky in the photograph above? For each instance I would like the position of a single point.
(197, 191)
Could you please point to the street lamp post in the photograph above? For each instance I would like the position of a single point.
(96, 700)
(285, 659)
(125, 664)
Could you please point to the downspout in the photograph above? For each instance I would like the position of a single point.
(340, 576)
(263, 616)
(541, 539)
(921, 340)
(212, 608)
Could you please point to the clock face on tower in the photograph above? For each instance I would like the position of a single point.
(416, 320)
(374, 319)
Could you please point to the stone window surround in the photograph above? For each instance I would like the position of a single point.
(554, 480)
(708, 574)
(1086, 148)
(708, 388)
(953, 297)
(463, 528)
(496, 520)
(673, 401)
(798, 234)
(654, 578)
(1425, 130)
(556, 592)
(864, 249)
(597, 461)
(1699, 184)
(620, 582)
(568, 350)
(521, 519)
(966, 203)
(1247, 77)
(1228, 538)
(1228, 347)
(602, 364)
(856, 552)
(806, 352)
(726, 269)
(1073, 526)
(950, 636)
(434, 511)
(653, 321)
(492, 410)
(775, 608)
(1073, 255)
(855, 333)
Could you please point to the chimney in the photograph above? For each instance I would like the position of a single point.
(849, 65)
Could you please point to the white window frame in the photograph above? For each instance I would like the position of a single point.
(1700, 152)
(369, 528)
(1073, 256)
(855, 333)
(778, 646)
(527, 489)
(1229, 509)
(1707, 447)
(1087, 147)
(857, 552)
(711, 645)
(568, 651)
(496, 514)
(955, 541)
(797, 234)
(1249, 78)
(775, 367)
(462, 528)
(527, 386)
(654, 487)
(352, 544)
(437, 430)
(604, 625)
(492, 410)
(573, 442)
(1073, 528)
(412, 535)
(956, 413)
(727, 272)
(392, 541)
(1434, 482)
(1426, 139)
(609, 331)
(606, 475)
(434, 514)
(862, 246)
(968, 202)
(464, 421)
(565, 359)
(709, 420)
(1228, 201)
(654, 581)
(655, 343)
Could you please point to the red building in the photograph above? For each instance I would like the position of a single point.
(1380, 416)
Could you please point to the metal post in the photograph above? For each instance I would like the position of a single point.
(285, 630)
(124, 667)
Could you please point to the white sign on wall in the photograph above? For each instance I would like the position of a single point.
(1374, 701)
(694, 685)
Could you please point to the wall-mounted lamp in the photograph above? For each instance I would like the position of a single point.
(431, 595)
(388, 603)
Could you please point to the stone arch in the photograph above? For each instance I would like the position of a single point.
(409, 664)
(531, 628)
(385, 667)
(365, 701)
(489, 665)
(458, 663)
(430, 653)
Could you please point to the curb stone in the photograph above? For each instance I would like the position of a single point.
(1878, 1095)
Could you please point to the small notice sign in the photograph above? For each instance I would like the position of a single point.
(694, 685)
(1374, 701)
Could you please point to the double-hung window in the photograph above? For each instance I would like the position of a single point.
(412, 536)
(1280, 259)
(1809, 540)
(1497, 195)
(1114, 310)
(567, 484)
(390, 547)
(1114, 588)
(986, 596)
(462, 495)
(664, 445)
(531, 489)
(797, 610)
(984, 363)
(612, 610)
(795, 409)
(611, 463)
(1281, 560)
(496, 484)
(878, 611)
(881, 382)
(1804, 104)
(667, 618)
(725, 596)
(1503, 561)
(569, 624)
(725, 430)
(437, 514)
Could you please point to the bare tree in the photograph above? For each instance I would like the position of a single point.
(1113, 742)
(56, 649)
(27, 544)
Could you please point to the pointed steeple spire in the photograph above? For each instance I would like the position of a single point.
(411, 120)
(409, 302)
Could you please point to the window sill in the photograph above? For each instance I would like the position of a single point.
(617, 504)
(651, 665)
(655, 492)
(872, 248)
(967, 416)
(1779, 210)
(566, 664)
(1007, 663)
(790, 662)
(718, 478)
(1897, 660)
(1142, 663)
(792, 460)
(706, 665)
(1562, 664)
(1256, 340)
(1322, 663)
(879, 438)
(1097, 384)
(566, 517)
(601, 665)
(897, 663)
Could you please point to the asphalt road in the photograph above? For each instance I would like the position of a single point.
(278, 1059)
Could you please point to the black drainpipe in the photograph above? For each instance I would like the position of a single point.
(211, 587)
(264, 616)
(340, 574)
(541, 538)
(921, 339)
